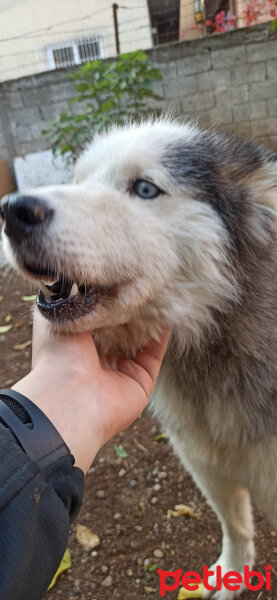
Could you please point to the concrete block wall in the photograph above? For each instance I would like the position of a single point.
(27, 106)
(227, 80)
(224, 80)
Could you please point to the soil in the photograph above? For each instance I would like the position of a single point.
(127, 499)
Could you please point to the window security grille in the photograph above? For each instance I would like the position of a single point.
(68, 54)
(63, 57)
(89, 50)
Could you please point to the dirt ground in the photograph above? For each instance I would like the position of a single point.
(127, 499)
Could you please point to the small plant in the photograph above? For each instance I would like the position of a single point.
(120, 451)
(149, 569)
(107, 92)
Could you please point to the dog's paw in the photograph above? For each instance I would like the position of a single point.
(231, 561)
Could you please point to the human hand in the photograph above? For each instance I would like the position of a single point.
(88, 398)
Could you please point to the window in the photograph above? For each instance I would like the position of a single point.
(89, 50)
(164, 17)
(63, 56)
(76, 52)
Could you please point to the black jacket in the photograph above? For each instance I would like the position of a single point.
(36, 507)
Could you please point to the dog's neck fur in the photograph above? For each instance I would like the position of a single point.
(223, 355)
(235, 362)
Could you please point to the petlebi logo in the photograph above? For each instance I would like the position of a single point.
(192, 581)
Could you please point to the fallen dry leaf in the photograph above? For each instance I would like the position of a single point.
(65, 564)
(5, 328)
(140, 446)
(186, 594)
(181, 510)
(19, 324)
(23, 346)
(161, 437)
(29, 298)
(86, 537)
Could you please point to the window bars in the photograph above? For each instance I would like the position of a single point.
(76, 52)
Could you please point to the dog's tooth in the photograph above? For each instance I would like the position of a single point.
(74, 290)
(46, 292)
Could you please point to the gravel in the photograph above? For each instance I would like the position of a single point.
(156, 487)
(101, 494)
(158, 553)
(122, 472)
(162, 475)
(108, 582)
(104, 569)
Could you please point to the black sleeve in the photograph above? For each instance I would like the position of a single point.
(36, 507)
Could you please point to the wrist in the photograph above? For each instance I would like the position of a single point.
(31, 428)
(67, 411)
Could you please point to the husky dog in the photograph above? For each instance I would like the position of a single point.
(165, 223)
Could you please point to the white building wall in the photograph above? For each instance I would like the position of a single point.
(29, 27)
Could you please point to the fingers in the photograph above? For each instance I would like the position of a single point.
(145, 368)
(138, 374)
(150, 357)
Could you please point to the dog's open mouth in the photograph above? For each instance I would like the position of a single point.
(66, 299)
(62, 292)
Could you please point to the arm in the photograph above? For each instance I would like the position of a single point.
(87, 397)
(89, 400)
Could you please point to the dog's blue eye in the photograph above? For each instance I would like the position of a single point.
(145, 189)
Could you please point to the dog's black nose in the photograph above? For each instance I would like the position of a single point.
(23, 215)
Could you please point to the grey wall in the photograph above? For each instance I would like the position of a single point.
(228, 79)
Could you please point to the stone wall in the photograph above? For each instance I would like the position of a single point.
(225, 80)
(228, 79)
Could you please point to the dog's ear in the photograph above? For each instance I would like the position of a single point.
(263, 184)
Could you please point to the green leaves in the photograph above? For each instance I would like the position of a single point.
(137, 55)
(106, 91)
(108, 106)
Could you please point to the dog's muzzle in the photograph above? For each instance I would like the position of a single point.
(26, 219)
